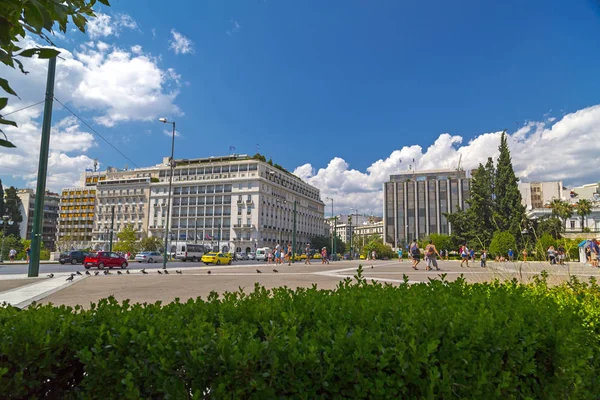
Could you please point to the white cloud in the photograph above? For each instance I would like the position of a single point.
(181, 44)
(566, 149)
(169, 133)
(111, 84)
(235, 28)
(105, 25)
(136, 49)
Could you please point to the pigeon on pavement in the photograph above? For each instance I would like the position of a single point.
(144, 271)
(119, 272)
(51, 276)
(79, 273)
(258, 271)
(166, 272)
(275, 271)
(179, 272)
(208, 272)
(158, 270)
(87, 272)
(127, 272)
(70, 278)
(96, 273)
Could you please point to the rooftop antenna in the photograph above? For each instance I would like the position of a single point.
(95, 164)
(459, 160)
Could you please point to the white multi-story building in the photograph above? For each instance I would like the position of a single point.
(539, 194)
(235, 202)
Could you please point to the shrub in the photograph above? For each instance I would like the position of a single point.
(502, 242)
(430, 340)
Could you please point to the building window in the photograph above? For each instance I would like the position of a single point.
(572, 224)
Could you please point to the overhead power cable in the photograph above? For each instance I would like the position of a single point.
(24, 108)
(96, 132)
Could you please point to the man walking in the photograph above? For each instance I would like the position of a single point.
(415, 253)
(483, 258)
(12, 254)
(307, 252)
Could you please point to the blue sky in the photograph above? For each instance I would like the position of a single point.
(311, 81)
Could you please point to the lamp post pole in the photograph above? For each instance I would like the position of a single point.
(333, 234)
(5, 222)
(171, 168)
(294, 235)
(112, 227)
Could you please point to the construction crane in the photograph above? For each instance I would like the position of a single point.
(459, 160)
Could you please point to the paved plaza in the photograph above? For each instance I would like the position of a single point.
(194, 282)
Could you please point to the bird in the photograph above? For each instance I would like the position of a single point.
(275, 271)
(79, 273)
(208, 272)
(144, 271)
(70, 278)
(51, 276)
(158, 270)
(166, 272)
(258, 271)
(371, 267)
(179, 272)
(119, 272)
(96, 273)
(127, 272)
(87, 272)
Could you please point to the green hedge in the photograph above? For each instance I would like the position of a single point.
(439, 340)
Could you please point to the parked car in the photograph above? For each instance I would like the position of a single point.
(252, 256)
(72, 257)
(242, 256)
(148, 257)
(105, 259)
(216, 258)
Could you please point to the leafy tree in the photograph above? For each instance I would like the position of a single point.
(12, 204)
(382, 249)
(509, 210)
(583, 208)
(549, 225)
(128, 242)
(18, 18)
(462, 227)
(441, 241)
(318, 242)
(481, 204)
(11, 242)
(502, 242)
(260, 157)
(542, 245)
(150, 243)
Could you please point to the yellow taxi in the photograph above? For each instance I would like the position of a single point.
(317, 255)
(216, 258)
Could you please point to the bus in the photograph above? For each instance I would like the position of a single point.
(189, 251)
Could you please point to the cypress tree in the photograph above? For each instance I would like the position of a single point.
(2, 210)
(11, 206)
(481, 206)
(509, 210)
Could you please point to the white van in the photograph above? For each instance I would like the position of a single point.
(261, 253)
(189, 251)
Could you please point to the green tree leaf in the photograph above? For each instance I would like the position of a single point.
(6, 87)
(42, 52)
(6, 143)
(33, 16)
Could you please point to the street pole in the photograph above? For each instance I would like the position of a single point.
(294, 236)
(172, 166)
(38, 212)
(112, 227)
(334, 235)
(5, 222)
(219, 237)
(350, 226)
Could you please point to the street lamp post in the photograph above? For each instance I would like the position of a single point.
(333, 255)
(351, 217)
(171, 167)
(5, 222)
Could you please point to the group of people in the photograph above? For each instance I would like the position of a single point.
(12, 254)
(592, 253)
(280, 255)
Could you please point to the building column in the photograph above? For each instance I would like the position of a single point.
(395, 215)
(416, 212)
(406, 211)
(448, 204)
(460, 193)
(437, 206)
(427, 207)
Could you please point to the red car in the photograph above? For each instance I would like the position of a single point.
(104, 259)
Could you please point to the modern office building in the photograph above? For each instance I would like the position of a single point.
(76, 218)
(49, 224)
(415, 203)
(538, 194)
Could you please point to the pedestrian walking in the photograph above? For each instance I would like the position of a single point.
(400, 254)
(269, 257)
(324, 259)
(430, 256)
(472, 254)
(562, 253)
(510, 255)
(464, 254)
(483, 258)
(415, 253)
(12, 254)
(28, 253)
(307, 252)
(524, 255)
(373, 255)
(289, 254)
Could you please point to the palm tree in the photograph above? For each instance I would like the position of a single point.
(584, 208)
(561, 209)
